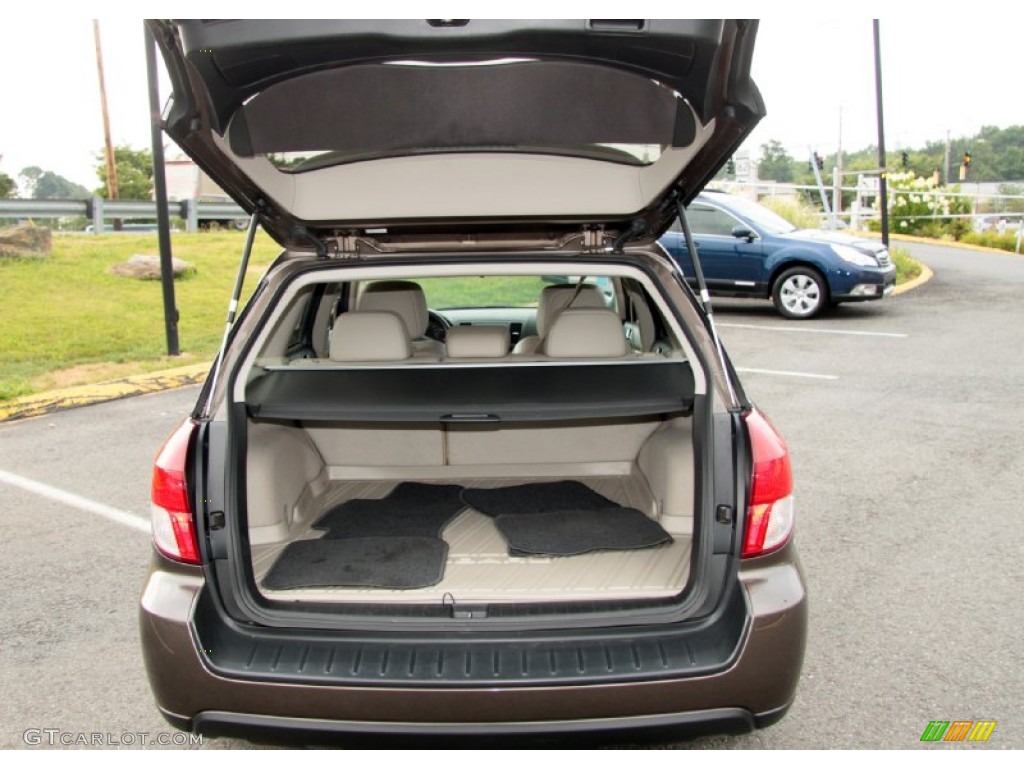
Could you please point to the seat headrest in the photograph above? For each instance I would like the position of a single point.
(643, 319)
(477, 341)
(404, 298)
(369, 337)
(586, 333)
(555, 298)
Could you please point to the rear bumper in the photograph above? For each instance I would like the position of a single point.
(753, 691)
(309, 730)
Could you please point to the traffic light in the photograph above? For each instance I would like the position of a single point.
(819, 161)
(904, 159)
(730, 167)
(965, 166)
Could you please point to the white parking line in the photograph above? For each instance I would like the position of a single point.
(76, 501)
(823, 376)
(812, 330)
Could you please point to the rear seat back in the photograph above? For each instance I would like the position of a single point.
(478, 342)
(592, 333)
(406, 299)
(553, 301)
(362, 337)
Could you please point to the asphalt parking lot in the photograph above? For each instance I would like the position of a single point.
(905, 422)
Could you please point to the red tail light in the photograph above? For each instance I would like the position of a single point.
(174, 531)
(770, 510)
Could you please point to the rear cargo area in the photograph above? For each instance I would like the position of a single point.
(628, 536)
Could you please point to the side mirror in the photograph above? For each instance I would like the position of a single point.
(741, 232)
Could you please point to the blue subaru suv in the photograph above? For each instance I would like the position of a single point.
(747, 250)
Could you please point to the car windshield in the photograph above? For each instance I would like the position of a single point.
(761, 217)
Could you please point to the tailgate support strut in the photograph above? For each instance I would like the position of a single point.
(705, 297)
(243, 265)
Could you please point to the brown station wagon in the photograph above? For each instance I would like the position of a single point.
(472, 459)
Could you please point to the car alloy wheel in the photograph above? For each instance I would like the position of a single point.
(800, 293)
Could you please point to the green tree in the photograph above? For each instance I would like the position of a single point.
(7, 186)
(776, 163)
(47, 185)
(134, 173)
(30, 178)
(997, 154)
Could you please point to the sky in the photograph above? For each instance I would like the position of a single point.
(945, 68)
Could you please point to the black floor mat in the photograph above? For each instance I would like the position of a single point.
(533, 498)
(411, 509)
(393, 562)
(573, 532)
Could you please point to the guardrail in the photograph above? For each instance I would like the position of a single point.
(101, 211)
(194, 211)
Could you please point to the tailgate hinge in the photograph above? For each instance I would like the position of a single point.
(346, 246)
(593, 239)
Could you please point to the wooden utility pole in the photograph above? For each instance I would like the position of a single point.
(112, 188)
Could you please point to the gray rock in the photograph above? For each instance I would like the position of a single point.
(143, 267)
(24, 241)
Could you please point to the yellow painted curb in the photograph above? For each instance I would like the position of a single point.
(917, 282)
(933, 241)
(88, 394)
(949, 244)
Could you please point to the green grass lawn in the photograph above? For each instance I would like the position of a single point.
(67, 311)
(906, 267)
(65, 320)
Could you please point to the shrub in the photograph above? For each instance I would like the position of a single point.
(906, 267)
(1006, 241)
(915, 202)
(795, 211)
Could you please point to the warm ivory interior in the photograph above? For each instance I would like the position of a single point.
(297, 472)
(468, 184)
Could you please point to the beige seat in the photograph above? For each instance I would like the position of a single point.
(553, 300)
(594, 333)
(640, 329)
(405, 299)
(364, 337)
(483, 342)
